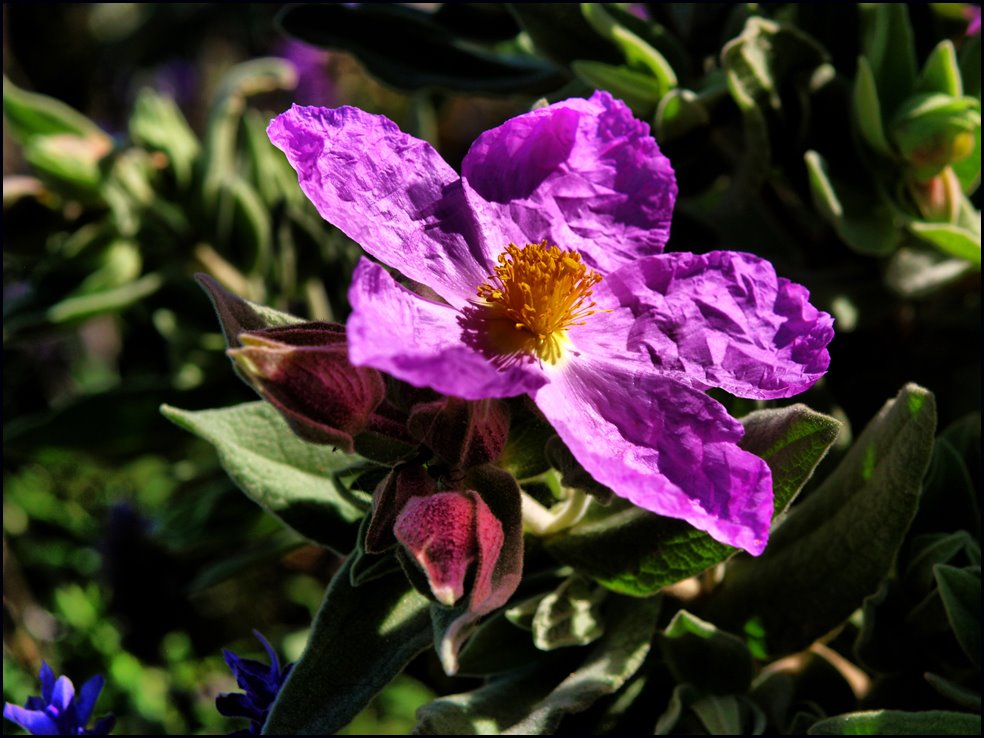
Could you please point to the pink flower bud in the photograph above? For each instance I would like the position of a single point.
(447, 533)
(462, 433)
(303, 370)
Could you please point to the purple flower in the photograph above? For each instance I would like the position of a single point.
(314, 85)
(260, 682)
(546, 277)
(973, 15)
(59, 711)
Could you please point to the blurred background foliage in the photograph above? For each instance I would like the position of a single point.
(842, 142)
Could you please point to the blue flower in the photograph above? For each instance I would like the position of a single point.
(59, 711)
(261, 684)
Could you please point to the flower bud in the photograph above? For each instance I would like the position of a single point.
(391, 494)
(447, 533)
(462, 433)
(303, 370)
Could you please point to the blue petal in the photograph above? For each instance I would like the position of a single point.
(274, 659)
(33, 721)
(87, 697)
(35, 703)
(62, 694)
(102, 726)
(47, 682)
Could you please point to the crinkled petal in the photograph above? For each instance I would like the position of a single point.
(664, 447)
(34, 722)
(423, 343)
(388, 191)
(583, 174)
(724, 319)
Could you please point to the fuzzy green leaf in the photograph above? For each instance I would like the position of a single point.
(639, 90)
(639, 55)
(291, 478)
(636, 552)
(712, 660)
(29, 114)
(860, 218)
(890, 47)
(377, 34)
(560, 32)
(941, 73)
(760, 63)
(157, 123)
(361, 639)
(679, 112)
(867, 109)
(950, 239)
(899, 722)
(522, 702)
(961, 593)
(837, 546)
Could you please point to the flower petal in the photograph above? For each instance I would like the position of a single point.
(663, 446)
(34, 722)
(388, 191)
(62, 694)
(724, 319)
(87, 697)
(47, 677)
(583, 174)
(422, 342)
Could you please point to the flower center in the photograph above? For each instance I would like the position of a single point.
(536, 294)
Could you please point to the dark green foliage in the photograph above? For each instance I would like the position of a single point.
(842, 142)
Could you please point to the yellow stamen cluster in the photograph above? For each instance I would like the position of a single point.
(542, 291)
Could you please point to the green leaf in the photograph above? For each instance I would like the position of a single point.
(560, 32)
(68, 162)
(361, 639)
(961, 593)
(914, 272)
(941, 73)
(950, 239)
(937, 548)
(836, 547)
(691, 712)
(639, 55)
(759, 63)
(293, 479)
(158, 124)
(569, 616)
(639, 90)
(245, 79)
(83, 307)
(970, 65)
(698, 653)
(237, 315)
(963, 696)
(890, 48)
(860, 217)
(29, 114)
(679, 112)
(636, 552)
(498, 645)
(867, 109)
(522, 702)
(899, 722)
(629, 626)
(377, 35)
